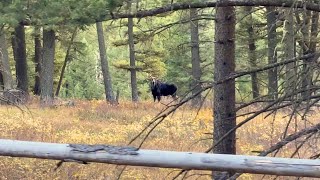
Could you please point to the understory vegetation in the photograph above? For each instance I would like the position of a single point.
(97, 122)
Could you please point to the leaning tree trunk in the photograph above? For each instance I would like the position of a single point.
(4, 63)
(289, 53)
(252, 51)
(224, 94)
(37, 60)
(133, 71)
(66, 60)
(272, 52)
(19, 53)
(47, 68)
(104, 64)
(195, 56)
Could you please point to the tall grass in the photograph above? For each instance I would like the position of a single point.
(97, 122)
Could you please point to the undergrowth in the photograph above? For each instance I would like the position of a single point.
(97, 122)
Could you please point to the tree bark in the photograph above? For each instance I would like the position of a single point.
(37, 60)
(314, 31)
(195, 56)
(289, 42)
(104, 64)
(66, 60)
(309, 31)
(133, 71)
(1, 80)
(20, 56)
(305, 30)
(47, 68)
(4, 63)
(224, 93)
(252, 51)
(272, 52)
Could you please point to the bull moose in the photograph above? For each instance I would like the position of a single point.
(159, 89)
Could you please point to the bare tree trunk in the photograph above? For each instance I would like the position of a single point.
(66, 60)
(19, 53)
(224, 94)
(47, 67)
(289, 42)
(313, 40)
(305, 30)
(104, 64)
(314, 31)
(252, 51)
(4, 63)
(1, 81)
(133, 71)
(310, 32)
(195, 56)
(272, 52)
(37, 60)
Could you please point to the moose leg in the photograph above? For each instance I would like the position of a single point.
(159, 98)
(174, 96)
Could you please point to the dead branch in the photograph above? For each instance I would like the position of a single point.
(182, 6)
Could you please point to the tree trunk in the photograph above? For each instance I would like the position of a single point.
(224, 94)
(272, 52)
(133, 71)
(252, 51)
(305, 30)
(314, 31)
(37, 60)
(195, 56)
(104, 64)
(310, 32)
(313, 46)
(289, 42)
(1, 81)
(66, 60)
(19, 53)
(47, 67)
(4, 63)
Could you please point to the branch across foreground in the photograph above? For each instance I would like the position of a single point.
(308, 131)
(154, 158)
(217, 3)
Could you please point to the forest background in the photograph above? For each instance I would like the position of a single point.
(260, 61)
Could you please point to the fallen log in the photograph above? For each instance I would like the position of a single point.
(155, 158)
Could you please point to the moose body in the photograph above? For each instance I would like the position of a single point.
(159, 89)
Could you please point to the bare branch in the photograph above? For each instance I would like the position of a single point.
(311, 130)
(181, 6)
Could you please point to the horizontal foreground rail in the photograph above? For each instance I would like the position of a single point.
(154, 158)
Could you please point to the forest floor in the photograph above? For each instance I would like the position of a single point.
(96, 122)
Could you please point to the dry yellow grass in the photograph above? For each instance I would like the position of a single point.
(96, 122)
